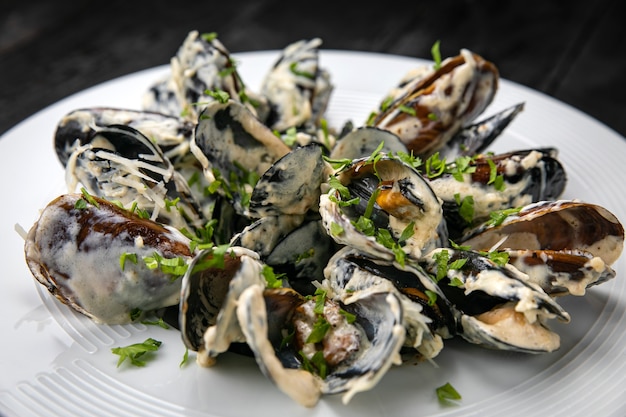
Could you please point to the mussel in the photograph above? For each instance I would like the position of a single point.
(553, 225)
(384, 207)
(496, 306)
(201, 69)
(297, 88)
(320, 346)
(432, 108)
(472, 188)
(234, 148)
(104, 261)
(120, 164)
(210, 291)
(427, 319)
(170, 133)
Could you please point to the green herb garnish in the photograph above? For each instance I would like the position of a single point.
(220, 95)
(90, 199)
(336, 229)
(350, 318)
(132, 257)
(173, 266)
(294, 70)
(496, 218)
(447, 392)
(185, 359)
(135, 313)
(435, 166)
(320, 328)
(408, 110)
(272, 279)
(432, 297)
(158, 322)
(466, 207)
(441, 259)
(436, 53)
(136, 351)
(209, 36)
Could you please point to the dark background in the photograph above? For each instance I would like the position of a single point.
(571, 50)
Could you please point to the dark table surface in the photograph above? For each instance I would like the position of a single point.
(571, 50)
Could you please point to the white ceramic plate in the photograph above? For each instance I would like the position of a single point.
(56, 362)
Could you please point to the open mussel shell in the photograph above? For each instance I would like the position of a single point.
(302, 256)
(379, 315)
(475, 138)
(210, 291)
(351, 275)
(528, 176)
(363, 349)
(292, 185)
(79, 127)
(364, 141)
(297, 88)
(202, 66)
(231, 143)
(440, 103)
(403, 200)
(296, 246)
(264, 234)
(263, 316)
(121, 164)
(563, 272)
(554, 225)
(92, 255)
(497, 306)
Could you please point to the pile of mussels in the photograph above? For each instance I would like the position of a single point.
(328, 255)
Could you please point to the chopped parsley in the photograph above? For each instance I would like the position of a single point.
(445, 264)
(432, 297)
(294, 70)
(171, 203)
(350, 318)
(185, 359)
(408, 110)
(386, 103)
(435, 166)
(158, 322)
(466, 207)
(409, 159)
(462, 165)
(447, 392)
(499, 258)
(436, 53)
(176, 266)
(209, 36)
(496, 218)
(220, 96)
(320, 300)
(336, 229)
(320, 328)
(272, 279)
(135, 353)
(132, 257)
(290, 137)
(494, 178)
(88, 198)
(80, 204)
(135, 313)
(215, 258)
(316, 365)
(304, 255)
(441, 260)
